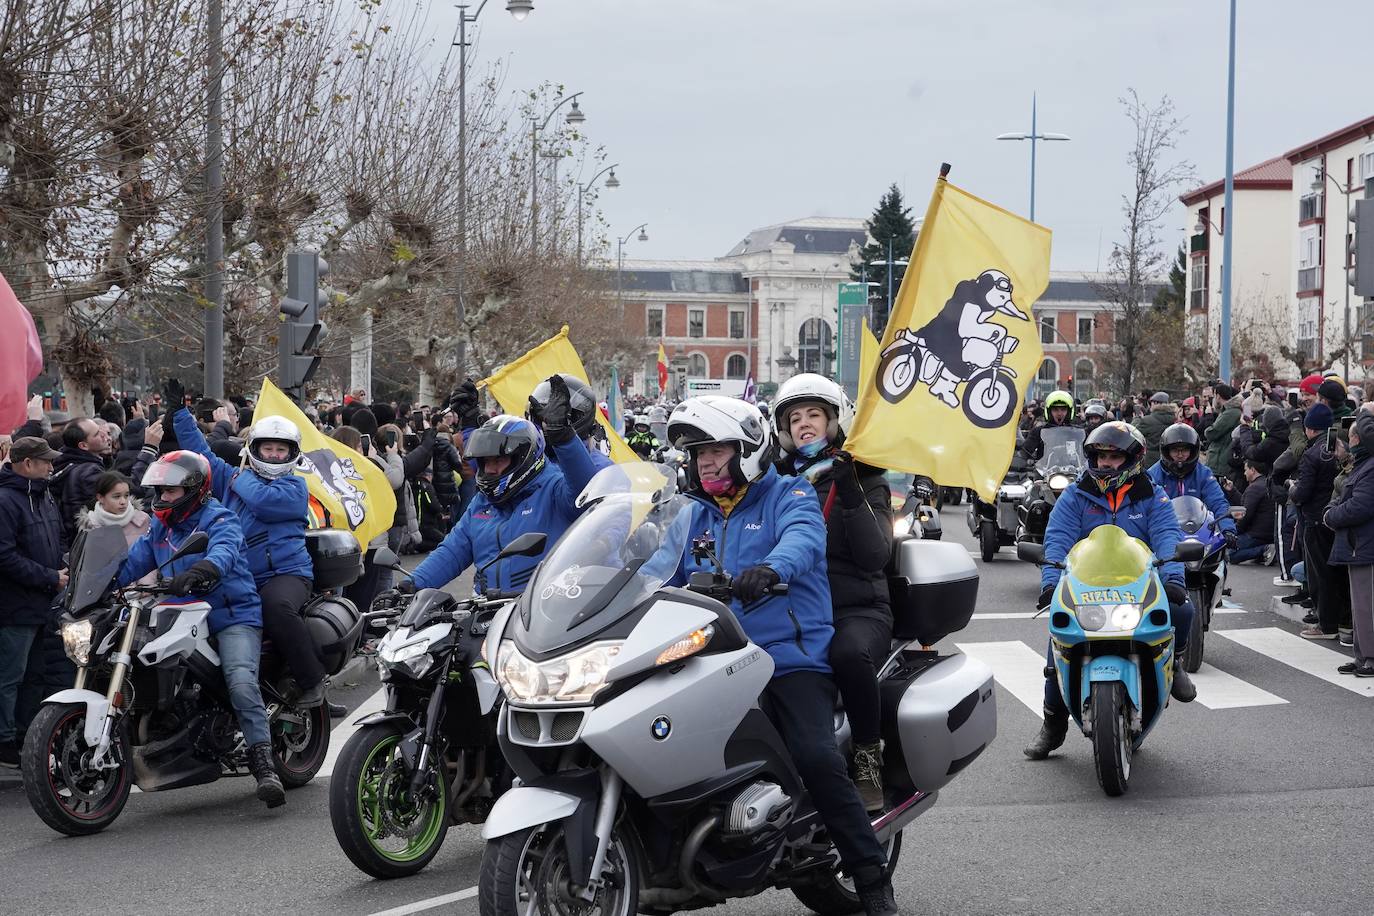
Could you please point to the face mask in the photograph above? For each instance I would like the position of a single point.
(813, 448)
(719, 486)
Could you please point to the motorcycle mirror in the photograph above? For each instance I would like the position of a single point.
(196, 543)
(1187, 552)
(1030, 552)
(386, 558)
(529, 544)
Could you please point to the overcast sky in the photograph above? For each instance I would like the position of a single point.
(727, 115)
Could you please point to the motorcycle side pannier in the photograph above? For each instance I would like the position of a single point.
(938, 715)
(934, 588)
(335, 554)
(335, 626)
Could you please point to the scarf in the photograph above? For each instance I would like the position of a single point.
(100, 518)
(813, 448)
(728, 502)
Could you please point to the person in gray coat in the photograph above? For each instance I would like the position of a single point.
(1351, 517)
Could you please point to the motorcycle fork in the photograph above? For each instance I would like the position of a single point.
(122, 660)
(428, 740)
(605, 823)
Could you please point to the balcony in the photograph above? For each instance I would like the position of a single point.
(1198, 243)
(1197, 300)
(1310, 207)
(1309, 278)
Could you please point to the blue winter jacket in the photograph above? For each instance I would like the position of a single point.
(1352, 516)
(777, 524)
(547, 504)
(1200, 482)
(1145, 513)
(235, 599)
(273, 513)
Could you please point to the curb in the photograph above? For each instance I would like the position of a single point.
(1291, 612)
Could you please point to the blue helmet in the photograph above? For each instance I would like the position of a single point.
(506, 436)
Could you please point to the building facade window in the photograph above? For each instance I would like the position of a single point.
(697, 366)
(1083, 371)
(736, 324)
(696, 322)
(653, 322)
(814, 348)
(1085, 330)
(1047, 329)
(735, 366)
(1367, 163)
(1197, 284)
(1049, 370)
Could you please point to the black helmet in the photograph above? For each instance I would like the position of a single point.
(1179, 434)
(1115, 436)
(511, 436)
(184, 469)
(580, 397)
(1094, 410)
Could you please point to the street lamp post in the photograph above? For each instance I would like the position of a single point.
(889, 263)
(1229, 217)
(575, 116)
(1034, 137)
(612, 182)
(619, 245)
(1319, 184)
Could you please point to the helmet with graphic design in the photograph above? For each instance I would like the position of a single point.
(1059, 399)
(187, 470)
(712, 419)
(506, 437)
(811, 389)
(1114, 437)
(1179, 434)
(279, 430)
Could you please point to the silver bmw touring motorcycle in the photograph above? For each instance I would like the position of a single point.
(648, 778)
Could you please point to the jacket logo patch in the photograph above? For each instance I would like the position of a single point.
(753, 526)
(798, 492)
(528, 511)
(481, 515)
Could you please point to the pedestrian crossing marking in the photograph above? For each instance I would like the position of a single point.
(1016, 666)
(1218, 690)
(1299, 653)
(1228, 607)
(340, 734)
(1008, 615)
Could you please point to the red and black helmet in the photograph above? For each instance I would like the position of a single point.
(184, 469)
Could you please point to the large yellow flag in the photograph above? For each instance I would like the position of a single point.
(960, 348)
(351, 488)
(512, 384)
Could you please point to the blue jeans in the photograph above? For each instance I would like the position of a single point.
(1247, 548)
(15, 643)
(1182, 615)
(240, 648)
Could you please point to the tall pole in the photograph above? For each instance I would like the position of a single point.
(461, 351)
(1229, 220)
(579, 225)
(535, 127)
(1035, 135)
(214, 216)
(887, 314)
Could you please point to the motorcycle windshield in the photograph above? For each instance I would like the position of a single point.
(638, 479)
(619, 552)
(428, 603)
(94, 561)
(1109, 556)
(1193, 515)
(1063, 451)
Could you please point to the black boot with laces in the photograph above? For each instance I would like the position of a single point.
(874, 887)
(264, 770)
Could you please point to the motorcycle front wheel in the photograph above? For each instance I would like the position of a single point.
(1111, 737)
(528, 872)
(63, 788)
(988, 540)
(1192, 655)
(381, 827)
(835, 895)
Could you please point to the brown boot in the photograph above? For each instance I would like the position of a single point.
(867, 765)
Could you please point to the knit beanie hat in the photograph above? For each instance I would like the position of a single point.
(1331, 390)
(1310, 384)
(1318, 417)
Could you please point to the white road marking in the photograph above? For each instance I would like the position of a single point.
(428, 903)
(1228, 606)
(1302, 654)
(1218, 690)
(340, 734)
(1016, 666)
(1008, 615)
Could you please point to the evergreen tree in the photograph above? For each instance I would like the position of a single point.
(891, 221)
(1171, 297)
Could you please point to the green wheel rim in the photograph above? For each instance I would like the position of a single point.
(370, 801)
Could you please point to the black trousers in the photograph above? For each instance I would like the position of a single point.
(1329, 588)
(282, 622)
(857, 650)
(801, 706)
(367, 586)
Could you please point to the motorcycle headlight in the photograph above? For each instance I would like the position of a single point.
(1059, 482)
(400, 650)
(76, 641)
(573, 678)
(1012, 491)
(1109, 616)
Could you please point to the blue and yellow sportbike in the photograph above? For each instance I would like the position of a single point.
(1113, 641)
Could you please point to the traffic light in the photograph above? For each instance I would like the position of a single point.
(1362, 243)
(301, 328)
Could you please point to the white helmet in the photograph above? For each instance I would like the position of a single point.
(273, 429)
(814, 388)
(712, 418)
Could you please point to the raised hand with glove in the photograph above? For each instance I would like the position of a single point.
(465, 401)
(202, 577)
(173, 396)
(754, 583)
(557, 413)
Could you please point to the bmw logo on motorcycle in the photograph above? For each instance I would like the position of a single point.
(662, 728)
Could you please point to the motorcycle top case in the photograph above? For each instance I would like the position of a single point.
(335, 554)
(938, 715)
(934, 588)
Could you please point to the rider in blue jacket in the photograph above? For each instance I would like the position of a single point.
(219, 577)
(766, 528)
(273, 506)
(1114, 490)
(518, 490)
(1179, 473)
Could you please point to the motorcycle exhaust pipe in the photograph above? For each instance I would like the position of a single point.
(893, 821)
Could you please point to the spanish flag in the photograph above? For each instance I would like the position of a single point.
(352, 489)
(512, 383)
(960, 347)
(662, 369)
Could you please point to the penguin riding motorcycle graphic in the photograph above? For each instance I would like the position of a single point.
(960, 346)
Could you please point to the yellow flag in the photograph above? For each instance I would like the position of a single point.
(351, 488)
(512, 384)
(960, 348)
(868, 358)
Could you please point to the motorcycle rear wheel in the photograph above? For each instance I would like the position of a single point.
(1192, 655)
(63, 791)
(369, 804)
(299, 751)
(835, 895)
(1111, 737)
(988, 540)
(527, 872)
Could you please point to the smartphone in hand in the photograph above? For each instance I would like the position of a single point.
(367, 444)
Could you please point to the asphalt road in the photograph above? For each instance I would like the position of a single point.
(1246, 802)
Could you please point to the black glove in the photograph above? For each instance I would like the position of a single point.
(923, 487)
(751, 584)
(405, 587)
(1232, 540)
(558, 412)
(173, 396)
(845, 478)
(1046, 596)
(1176, 593)
(465, 402)
(199, 579)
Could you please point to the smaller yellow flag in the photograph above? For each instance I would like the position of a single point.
(512, 383)
(868, 359)
(353, 490)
